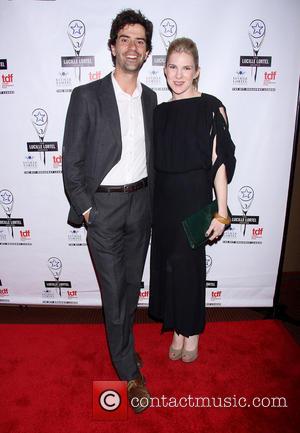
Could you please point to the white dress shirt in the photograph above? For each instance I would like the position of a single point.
(132, 165)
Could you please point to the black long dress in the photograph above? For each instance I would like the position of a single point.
(184, 131)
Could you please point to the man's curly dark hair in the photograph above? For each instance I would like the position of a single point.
(125, 17)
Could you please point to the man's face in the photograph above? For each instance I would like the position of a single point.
(130, 48)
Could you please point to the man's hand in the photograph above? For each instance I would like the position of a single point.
(87, 216)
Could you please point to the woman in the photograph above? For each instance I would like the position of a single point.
(193, 153)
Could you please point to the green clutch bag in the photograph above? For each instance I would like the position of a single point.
(196, 225)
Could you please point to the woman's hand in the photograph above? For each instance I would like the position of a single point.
(215, 230)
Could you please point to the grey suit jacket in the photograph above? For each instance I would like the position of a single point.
(92, 141)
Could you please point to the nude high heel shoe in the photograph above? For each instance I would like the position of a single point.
(189, 355)
(175, 354)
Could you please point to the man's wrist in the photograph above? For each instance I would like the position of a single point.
(86, 211)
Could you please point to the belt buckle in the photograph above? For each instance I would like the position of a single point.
(126, 188)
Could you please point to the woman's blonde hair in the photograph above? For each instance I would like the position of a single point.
(188, 46)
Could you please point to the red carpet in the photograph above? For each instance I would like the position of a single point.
(46, 375)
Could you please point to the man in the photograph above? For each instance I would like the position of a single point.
(107, 170)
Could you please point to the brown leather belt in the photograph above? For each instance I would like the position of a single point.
(130, 187)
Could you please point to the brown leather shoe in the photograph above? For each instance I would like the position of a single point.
(139, 361)
(138, 395)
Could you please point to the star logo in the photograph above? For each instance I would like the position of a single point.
(76, 29)
(55, 263)
(55, 266)
(246, 194)
(39, 117)
(168, 27)
(257, 29)
(6, 197)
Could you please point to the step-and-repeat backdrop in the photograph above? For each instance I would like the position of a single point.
(249, 55)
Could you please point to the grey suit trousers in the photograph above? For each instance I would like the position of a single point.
(118, 236)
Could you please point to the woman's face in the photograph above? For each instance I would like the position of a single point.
(180, 72)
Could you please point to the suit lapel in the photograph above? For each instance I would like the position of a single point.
(147, 119)
(110, 107)
(111, 113)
